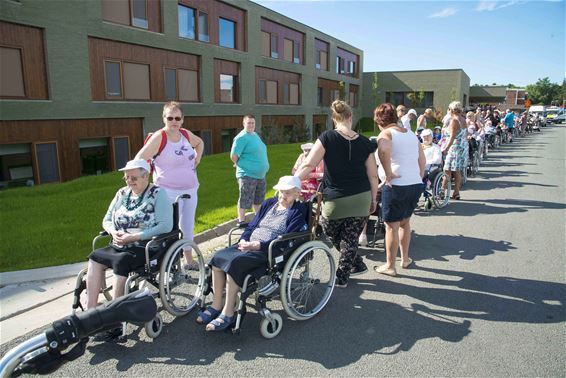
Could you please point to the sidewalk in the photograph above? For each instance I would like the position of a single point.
(30, 299)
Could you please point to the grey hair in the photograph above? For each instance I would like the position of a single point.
(455, 106)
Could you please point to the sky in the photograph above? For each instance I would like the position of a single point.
(503, 42)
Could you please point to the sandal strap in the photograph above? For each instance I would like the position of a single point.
(226, 322)
(212, 314)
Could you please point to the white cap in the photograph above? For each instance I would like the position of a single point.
(426, 132)
(288, 182)
(306, 146)
(412, 111)
(137, 163)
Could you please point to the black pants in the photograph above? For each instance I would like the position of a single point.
(344, 234)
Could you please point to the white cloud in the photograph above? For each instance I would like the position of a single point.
(446, 12)
(495, 5)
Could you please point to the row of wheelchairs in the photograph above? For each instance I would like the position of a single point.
(302, 278)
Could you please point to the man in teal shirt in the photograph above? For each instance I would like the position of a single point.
(249, 155)
(509, 121)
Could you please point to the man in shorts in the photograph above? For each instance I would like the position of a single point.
(249, 155)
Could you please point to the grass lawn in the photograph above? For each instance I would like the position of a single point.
(54, 224)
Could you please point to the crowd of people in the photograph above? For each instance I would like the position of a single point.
(354, 174)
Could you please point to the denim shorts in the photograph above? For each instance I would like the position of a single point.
(399, 202)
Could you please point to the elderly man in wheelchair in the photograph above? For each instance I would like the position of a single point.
(433, 193)
(267, 250)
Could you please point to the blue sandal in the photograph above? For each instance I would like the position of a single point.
(207, 318)
(227, 321)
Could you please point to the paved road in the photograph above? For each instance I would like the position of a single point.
(485, 297)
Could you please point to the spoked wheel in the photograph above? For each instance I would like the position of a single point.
(308, 280)
(180, 288)
(464, 174)
(440, 197)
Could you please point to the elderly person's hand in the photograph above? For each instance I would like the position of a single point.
(248, 246)
(122, 238)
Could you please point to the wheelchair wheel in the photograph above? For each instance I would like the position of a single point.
(269, 329)
(180, 290)
(440, 197)
(154, 327)
(308, 280)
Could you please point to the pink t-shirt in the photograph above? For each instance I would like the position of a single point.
(175, 166)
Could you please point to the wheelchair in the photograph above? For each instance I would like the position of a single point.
(434, 195)
(302, 276)
(178, 290)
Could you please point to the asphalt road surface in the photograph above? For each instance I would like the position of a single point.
(485, 296)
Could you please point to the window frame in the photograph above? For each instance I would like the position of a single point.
(195, 21)
(296, 58)
(113, 151)
(124, 81)
(235, 23)
(22, 66)
(132, 15)
(36, 160)
(198, 27)
(165, 68)
(276, 52)
(106, 96)
(198, 100)
(235, 97)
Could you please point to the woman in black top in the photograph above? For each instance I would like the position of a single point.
(349, 187)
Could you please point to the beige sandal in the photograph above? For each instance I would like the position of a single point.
(383, 269)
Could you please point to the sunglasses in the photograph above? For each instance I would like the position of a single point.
(173, 118)
(132, 178)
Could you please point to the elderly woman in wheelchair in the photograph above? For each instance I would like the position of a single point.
(138, 212)
(230, 266)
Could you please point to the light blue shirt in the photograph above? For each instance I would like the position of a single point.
(509, 120)
(252, 155)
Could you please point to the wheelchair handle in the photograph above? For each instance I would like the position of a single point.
(137, 307)
(182, 196)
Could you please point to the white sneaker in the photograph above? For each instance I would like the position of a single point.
(363, 240)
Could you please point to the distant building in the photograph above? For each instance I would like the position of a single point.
(499, 96)
(415, 89)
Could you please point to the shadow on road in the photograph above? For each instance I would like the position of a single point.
(350, 327)
(478, 296)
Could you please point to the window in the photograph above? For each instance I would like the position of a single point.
(188, 85)
(206, 136)
(226, 138)
(121, 151)
(353, 99)
(186, 22)
(274, 53)
(113, 79)
(227, 33)
(47, 162)
(429, 99)
(11, 74)
(271, 92)
(287, 50)
(339, 65)
(335, 94)
(139, 13)
(319, 96)
(262, 92)
(267, 92)
(203, 27)
(181, 85)
(94, 156)
(136, 81)
(294, 94)
(398, 98)
(296, 52)
(228, 88)
(265, 43)
(16, 168)
(170, 84)
(352, 67)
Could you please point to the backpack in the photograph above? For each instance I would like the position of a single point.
(184, 132)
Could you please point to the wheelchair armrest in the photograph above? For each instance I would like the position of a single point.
(284, 238)
(239, 227)
(165, 236)
(103, 233)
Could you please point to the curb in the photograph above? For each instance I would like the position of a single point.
(70, 270)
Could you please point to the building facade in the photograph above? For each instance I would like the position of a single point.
(415, 89)
(82, 82)
(499, 96)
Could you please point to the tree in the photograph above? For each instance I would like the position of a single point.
(544, 92)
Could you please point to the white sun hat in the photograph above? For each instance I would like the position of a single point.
(137, 163)
(288, 182)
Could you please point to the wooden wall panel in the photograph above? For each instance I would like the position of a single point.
(320, 45)
(30, 40)
(215, 125)
(154, 15)
(327, 87)
(216, 9)
(158, 59)
(283, 32)
(67, 134)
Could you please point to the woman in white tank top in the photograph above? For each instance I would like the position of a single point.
(401, 169)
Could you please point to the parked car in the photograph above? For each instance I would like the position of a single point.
(560, 118)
